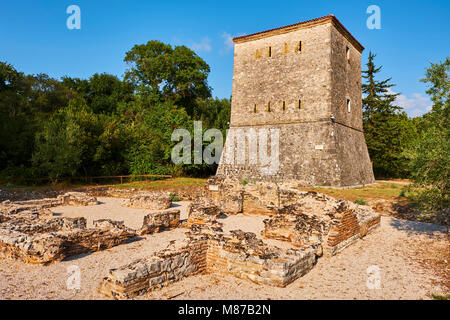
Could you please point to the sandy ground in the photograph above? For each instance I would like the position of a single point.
(343, 276)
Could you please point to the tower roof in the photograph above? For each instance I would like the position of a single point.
(301, 25)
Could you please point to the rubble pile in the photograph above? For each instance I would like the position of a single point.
(149, 200)
(43, 241)
(203, 214)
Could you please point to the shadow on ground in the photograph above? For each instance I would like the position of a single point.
(413, 228)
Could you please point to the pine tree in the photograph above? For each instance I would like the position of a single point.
(383, 123)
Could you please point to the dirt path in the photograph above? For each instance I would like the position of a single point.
(392, 249)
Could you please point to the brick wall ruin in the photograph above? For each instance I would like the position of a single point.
(238, 253)
(305, 218)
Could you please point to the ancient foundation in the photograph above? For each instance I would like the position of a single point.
(306, 219)
(238, 253)
(28, 233)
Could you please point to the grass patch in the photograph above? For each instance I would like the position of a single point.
(166, 184)
(360, 201)
(380, 190)
(174, 197)
(172, 183)
(439, 297)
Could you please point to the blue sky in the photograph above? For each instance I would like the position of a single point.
(34, 37)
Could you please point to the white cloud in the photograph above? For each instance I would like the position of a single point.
(204, 45)
(228, 41)
(415, 105)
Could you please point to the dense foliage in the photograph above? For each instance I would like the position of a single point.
(430, 152)
(417, 148)
(104, 125)
(387, 128)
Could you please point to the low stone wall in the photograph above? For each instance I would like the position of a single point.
(77, 199)
(239, 254)
(243, 256)
(160, 221)
(32, 226)
(40, 207)
(202, 214)
(163, 268)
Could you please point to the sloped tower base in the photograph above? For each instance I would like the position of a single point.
(312, 154)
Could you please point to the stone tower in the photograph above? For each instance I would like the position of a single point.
(303, 81)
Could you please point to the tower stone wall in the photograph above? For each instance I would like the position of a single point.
(304, 81)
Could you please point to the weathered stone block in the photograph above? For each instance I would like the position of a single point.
(150, 200)
(160, 221)
(78, 199)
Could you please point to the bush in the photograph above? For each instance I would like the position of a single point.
(360, 201)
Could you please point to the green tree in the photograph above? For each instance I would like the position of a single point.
(383, 124)
(430, 154)
(102, 92)
(67, 142)
(175, 74)
(17, 124)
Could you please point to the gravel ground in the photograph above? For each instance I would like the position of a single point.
(391, 248)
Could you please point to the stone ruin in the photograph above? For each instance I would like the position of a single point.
(160, 221)
(149, 200)
(44, 242)
(28, 233)
(40, 207)
(238, 253)
(313, 223)
(305, 218)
